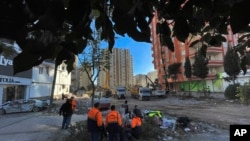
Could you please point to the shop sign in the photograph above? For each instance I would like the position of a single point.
(8, 80)
(4, 61)
(14, 80)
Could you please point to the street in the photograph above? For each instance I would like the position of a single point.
(211, 117)
(32, 126)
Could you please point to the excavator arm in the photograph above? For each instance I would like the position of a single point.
(152, 83)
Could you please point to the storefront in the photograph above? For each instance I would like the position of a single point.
(33, 83)
(13, 86)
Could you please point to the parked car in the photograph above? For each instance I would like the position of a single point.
(41, 104)
(22, 105)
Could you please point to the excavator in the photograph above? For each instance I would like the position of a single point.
(156, 91)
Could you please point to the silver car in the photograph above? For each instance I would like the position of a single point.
(22, 105)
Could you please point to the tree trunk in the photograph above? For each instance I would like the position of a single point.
(53, 88)
(92, 94)
(204, 88)
(189, 93)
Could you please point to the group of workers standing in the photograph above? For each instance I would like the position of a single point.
(113, 123)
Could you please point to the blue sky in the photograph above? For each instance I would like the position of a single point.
(140, 51)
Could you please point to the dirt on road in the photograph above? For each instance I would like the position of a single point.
(211, 117)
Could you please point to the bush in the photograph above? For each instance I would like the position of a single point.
(150, 131)
(231, 91)
(244, 94)
(78, 132)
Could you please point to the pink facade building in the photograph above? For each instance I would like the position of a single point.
(163, 57)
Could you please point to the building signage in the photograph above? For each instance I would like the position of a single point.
(14, 80)
(4, 61)
(8, 80)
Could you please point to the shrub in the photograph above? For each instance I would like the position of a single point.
(150, 131)
(244, 94)
(231, 91)
(78, 132)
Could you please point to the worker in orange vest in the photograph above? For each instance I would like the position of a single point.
(73, 103)
(114, 124)
(136, 124)
(94, 122)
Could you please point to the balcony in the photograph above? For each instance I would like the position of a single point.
(214, 63)
(209, 76)
(210, 51)
(215, 49)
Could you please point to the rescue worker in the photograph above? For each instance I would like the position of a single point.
(157, 116)
(73, 103)
(136, 124)
(137, 111)
(66, 111)
(114, 124)
(153, 113)
(94, 122)
(126, 109)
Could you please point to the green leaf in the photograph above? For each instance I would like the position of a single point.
(51, 52)
(163, 29)
(222, 28)
(63, 55)
(239, 18)
(243, 65)
(174, 70)
(24, 61)
(71, 36)
(220, 38)
(207, 4)
(244, 37)
(70, 46)
(142, 24)
(81, 44)
(203, 50)
(215, 22)
(167, 41)
(207, 37)
(78, 11)
(206, 29)
(194, 43)
(187, 10)
(111, 45)
(70, 63)
(181, 29)
(240, 48)
(98, 22)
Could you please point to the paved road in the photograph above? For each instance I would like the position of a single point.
(36, 126)
(42, 126)
(32, 126)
